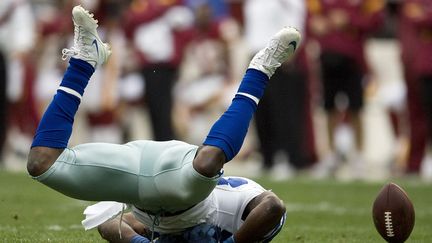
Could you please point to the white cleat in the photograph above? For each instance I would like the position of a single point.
(281, 47)
(87, 44)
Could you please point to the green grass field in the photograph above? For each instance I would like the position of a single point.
(318, 211)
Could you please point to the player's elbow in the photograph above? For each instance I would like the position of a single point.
(40, 159)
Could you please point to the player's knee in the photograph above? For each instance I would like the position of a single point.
(274, 206)
(209, 161)
(40, 159)
(35, 162)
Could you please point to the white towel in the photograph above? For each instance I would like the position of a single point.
(101, 212)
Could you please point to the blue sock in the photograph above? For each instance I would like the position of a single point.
(139, 239)
(55, 127)
(229, 131)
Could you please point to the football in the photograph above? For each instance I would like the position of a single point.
(393, 213)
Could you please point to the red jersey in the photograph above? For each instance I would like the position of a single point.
(143, 12)
(415, 34)
(362, 16)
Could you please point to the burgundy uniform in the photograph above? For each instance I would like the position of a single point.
(345, 25)
(145, 21)
(363, 16)
(415, 34)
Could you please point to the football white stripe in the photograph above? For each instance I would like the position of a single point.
(388, 224)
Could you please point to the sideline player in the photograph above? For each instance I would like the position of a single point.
(159, 178)
(234, 200)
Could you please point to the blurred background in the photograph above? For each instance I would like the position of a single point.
(354, 104)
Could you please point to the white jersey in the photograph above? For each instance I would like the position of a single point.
(223, 208)
(259, 26)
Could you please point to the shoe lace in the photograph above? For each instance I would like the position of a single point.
(268, 57)
(74, 50)
(272, 51)
(69, 53)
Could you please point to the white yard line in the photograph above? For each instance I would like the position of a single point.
(324, 207)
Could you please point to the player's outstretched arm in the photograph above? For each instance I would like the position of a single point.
(227, 135)
(55, 128)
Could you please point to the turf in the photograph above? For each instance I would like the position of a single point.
(324, 211)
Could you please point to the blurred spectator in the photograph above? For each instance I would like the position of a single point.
(236, 10)
(203, 75)
(102, 111)
(218, 8)
(17, 37)
(383, 52)
(156, 29)
(283, 116)
(415, 33)
(341, 28)
(53, 27)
